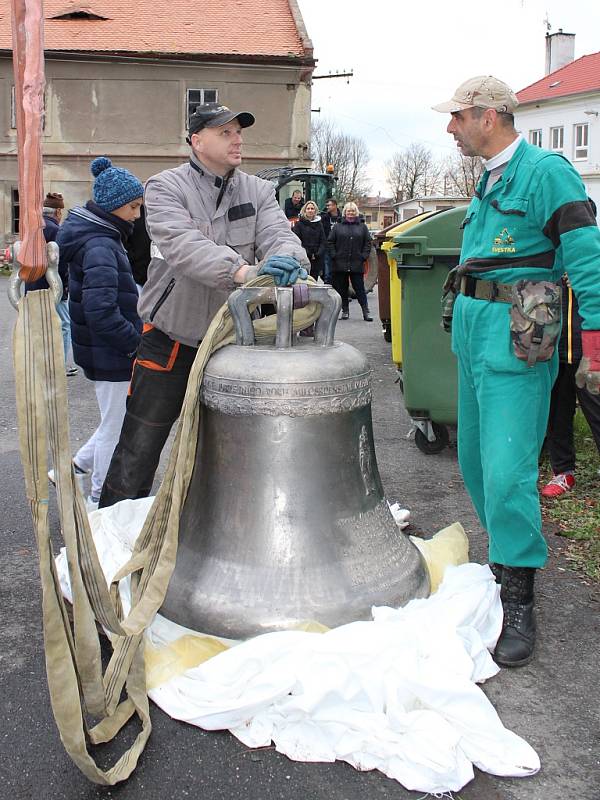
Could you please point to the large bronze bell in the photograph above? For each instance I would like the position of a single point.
(285, 518)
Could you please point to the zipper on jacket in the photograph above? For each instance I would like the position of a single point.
(570, 326)
(162, 298)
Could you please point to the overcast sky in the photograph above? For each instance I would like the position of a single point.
(407, 55)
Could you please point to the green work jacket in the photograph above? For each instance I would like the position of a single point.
(536, 223)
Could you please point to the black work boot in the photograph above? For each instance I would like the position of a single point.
(345, 313)
(366, 314)
(515, 645)
(496, 571)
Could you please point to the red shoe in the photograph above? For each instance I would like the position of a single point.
(559, 485)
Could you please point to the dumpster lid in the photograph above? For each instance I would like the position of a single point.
(401, 227)
(439, 234)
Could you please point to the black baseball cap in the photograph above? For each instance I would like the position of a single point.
(211, 115)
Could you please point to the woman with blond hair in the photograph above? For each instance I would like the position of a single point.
(349, 245)
(309, 230)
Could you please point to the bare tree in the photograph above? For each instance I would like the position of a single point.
(462, 174)
(414, 172)
(358, 185)
(326, 146)
(348, 155)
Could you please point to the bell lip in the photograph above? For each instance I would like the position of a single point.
(235, 627)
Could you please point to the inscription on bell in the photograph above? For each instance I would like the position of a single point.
(307, 398)
(254, 389)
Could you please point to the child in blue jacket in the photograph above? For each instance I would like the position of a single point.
(105, 326)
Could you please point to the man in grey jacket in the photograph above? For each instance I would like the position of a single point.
(213, 228)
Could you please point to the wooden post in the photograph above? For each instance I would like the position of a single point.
(28, 64)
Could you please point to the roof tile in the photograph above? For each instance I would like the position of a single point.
(581, 75)
(199, 27)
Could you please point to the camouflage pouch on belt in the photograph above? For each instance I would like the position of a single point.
(449, 293)
(535, 320)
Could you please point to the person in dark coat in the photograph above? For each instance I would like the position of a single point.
(330, 216)
(349, 245)
(103, 297)
(138, 250)
(310, 232)
(52, 213)
(560, 441)
(293, 205)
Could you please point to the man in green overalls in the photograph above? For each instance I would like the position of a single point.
(529, 221)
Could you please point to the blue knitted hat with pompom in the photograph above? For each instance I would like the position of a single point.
(114, 186)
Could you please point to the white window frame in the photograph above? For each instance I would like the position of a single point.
(190, 105)
(581, 139)
(535, 137)
(559, 133)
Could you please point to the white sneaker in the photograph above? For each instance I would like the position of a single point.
(91, 504)
(80, 475)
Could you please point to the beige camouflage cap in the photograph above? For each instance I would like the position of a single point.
(483, 91)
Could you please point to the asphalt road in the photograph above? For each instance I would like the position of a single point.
(553, 703)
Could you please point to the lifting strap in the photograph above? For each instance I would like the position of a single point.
(78, 687)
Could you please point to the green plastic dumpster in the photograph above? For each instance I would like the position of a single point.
(424, 254)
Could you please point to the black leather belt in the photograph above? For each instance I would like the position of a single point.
(492, 291)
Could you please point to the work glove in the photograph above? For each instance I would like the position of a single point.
(588, 372)
(284, 269)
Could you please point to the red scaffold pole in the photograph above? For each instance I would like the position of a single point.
(28, 63)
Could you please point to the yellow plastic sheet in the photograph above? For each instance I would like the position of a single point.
(169, 661)
(448, 546)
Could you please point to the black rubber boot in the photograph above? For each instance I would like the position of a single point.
(496, 570)
(345, 313)
(366, 314)
(516, 642)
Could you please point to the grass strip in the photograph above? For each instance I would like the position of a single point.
(576, 514)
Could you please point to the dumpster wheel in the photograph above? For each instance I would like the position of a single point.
(441, 440)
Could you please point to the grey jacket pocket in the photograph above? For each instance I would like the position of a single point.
(241, 239)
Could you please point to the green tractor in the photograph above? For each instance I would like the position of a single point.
(318, 187)
(315, 186)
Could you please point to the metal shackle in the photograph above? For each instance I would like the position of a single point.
(52, 277)
(285, 298)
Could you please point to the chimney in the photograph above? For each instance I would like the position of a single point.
(560, 50)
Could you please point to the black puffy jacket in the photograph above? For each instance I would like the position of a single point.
(312, 236)
(349, 244)
(105, 326)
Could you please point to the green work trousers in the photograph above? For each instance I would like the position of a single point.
(502, 413)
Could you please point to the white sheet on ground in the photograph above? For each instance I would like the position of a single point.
(398, 693)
